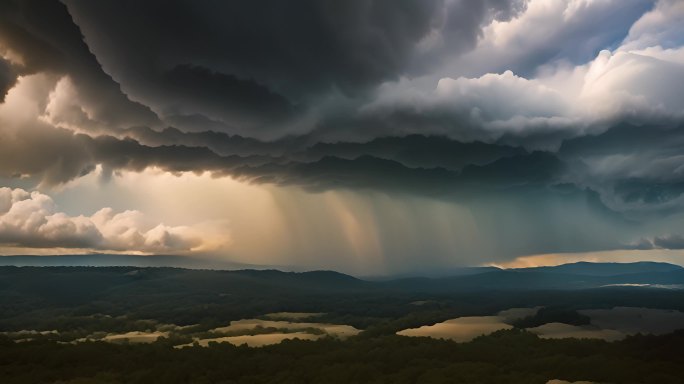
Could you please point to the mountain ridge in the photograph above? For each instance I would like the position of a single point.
(583, 275)
(584, 268)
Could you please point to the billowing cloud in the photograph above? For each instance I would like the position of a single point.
(261, 68)
(31, 219)
(661, 27)
(299, 48)
(42, 38)
(7, 78)
(550, 33)
(670, 241)
(642, 86)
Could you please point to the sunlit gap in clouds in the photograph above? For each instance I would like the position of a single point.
(673, 256)
(362, 232)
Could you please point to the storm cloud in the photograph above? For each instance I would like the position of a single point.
(7, 78)
(477, 103)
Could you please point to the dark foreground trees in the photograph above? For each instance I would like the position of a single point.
(504, 357)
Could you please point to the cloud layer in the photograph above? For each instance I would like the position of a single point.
(472, 103)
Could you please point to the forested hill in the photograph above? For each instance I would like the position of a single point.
(31, 295)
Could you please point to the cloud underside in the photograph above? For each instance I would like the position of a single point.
(459, 101)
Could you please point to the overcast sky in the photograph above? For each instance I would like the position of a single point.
(367, 136)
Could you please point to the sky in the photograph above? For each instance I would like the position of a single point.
(366, 136)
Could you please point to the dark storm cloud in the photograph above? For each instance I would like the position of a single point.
(43, 34)
(669, 241)
(516, 173)
(648, 191)
(309, 73)
(639, 167)
(221, 93)
(116, 154)
(219, 142)
(421, 165)
(298, 47)
(70, 155)
(63, 156)
(7, 78)
(661, 136)
(416, 151)
(255, 67)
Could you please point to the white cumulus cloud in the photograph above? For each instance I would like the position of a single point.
(642, 79)
(31, 219)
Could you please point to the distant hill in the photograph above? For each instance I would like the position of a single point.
(573, 276)
(605, 269)
(434, 273)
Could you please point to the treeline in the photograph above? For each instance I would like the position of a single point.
(552, 315)
(513, 356)
(78, 301)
